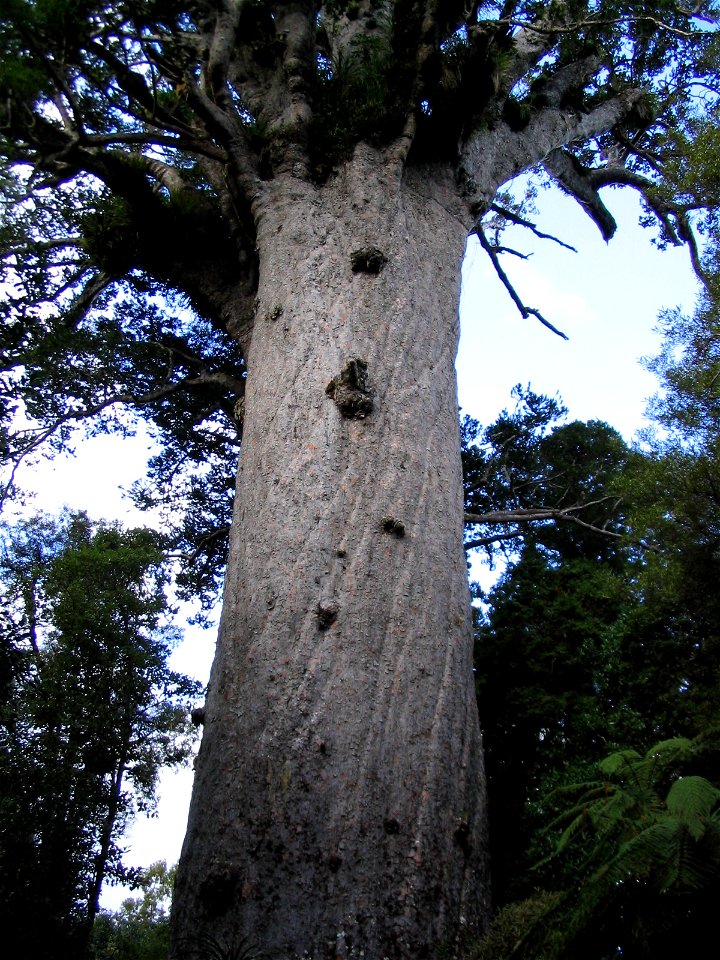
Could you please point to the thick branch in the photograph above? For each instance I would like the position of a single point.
(584, 183)
(78, 309)
(202, 543)
(577, 182)
(492, 156)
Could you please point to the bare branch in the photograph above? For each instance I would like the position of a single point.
(529, 515)
(202, 543)
(591, 22)
(494, 538)
(39, 246)
(522, 222)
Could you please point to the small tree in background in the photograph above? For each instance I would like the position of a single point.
(90, 713)
(140, 929)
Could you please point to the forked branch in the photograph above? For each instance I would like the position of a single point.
(528, 515)
(525, 311)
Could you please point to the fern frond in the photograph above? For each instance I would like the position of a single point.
(674, 749)
(693, 799)
(621, 762)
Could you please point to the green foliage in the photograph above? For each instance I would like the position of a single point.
(511, 924)
(354, 99)
(132, 356)
(635, 845)
(645, 841)
(209, 948)
(140, 929)
(670, 641)
(541, 637)
(528, 460)
(90, 712)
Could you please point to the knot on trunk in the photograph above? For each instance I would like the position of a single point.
(350, 390)
(197, 715)
(367, 260)
(393, 525)
(327, 612)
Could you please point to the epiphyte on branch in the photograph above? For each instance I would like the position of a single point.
(367, 260)
(351, 391)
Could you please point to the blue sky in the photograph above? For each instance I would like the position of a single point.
(605, 297)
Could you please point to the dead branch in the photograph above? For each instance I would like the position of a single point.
(522, 222)
(525, 311)
(528, 515)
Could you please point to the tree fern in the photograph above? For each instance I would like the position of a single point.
(645, 838)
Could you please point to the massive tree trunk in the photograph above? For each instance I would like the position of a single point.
(339, 798)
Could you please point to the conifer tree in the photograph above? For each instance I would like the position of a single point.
(90, 712)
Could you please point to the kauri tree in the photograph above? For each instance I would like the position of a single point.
(245, 219)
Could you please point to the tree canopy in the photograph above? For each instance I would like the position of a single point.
(89, 713)
(134, 137)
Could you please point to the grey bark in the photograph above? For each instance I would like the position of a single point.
(338, 807)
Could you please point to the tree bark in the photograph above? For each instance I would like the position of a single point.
(338, 807)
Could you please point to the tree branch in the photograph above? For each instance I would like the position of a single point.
(529, 515)
(522, 222)
(578, 183)
(584, 183)
(202, 543)
(525, 311)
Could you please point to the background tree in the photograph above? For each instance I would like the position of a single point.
(140, 929)
(541, 642)
(90, 714)
(668, 642)
(527, 478)
(636, 849)
(300, 181)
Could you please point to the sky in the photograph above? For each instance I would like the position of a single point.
(605, 297)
